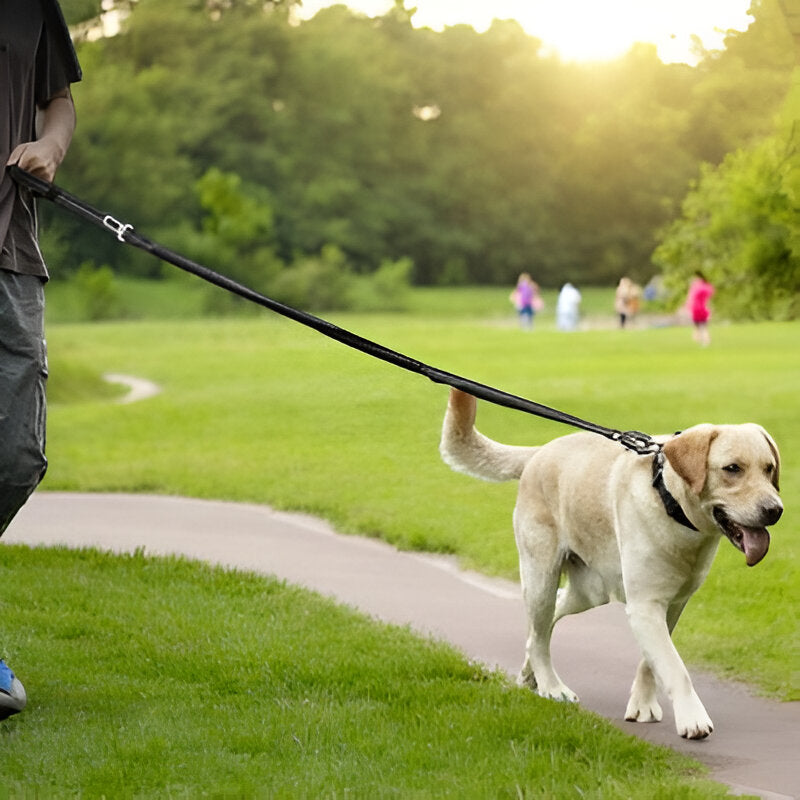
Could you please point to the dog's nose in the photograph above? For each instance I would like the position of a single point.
(772, 514)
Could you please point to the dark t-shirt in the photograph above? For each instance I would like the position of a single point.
(36, 62)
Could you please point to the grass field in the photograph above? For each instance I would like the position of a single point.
(181, 297)
(157, 678)
(264, 410)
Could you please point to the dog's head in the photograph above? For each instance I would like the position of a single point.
(734, 472)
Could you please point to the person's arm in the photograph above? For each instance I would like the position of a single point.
(55, 126)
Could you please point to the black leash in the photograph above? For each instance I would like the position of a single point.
(640, 443)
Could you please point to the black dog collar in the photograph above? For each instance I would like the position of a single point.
(671, 505)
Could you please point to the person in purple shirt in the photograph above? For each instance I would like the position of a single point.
(37, 119)
(526, 300)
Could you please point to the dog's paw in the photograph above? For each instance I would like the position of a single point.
(699, 730)
(640, 710)
(694, 725)
(553, 689)
(558, 692)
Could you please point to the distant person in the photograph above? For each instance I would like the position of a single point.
(526, 300)
(636, 299)
(654, 289)
(700, 293)
(624, 299)
(568, 308)
(37, 119)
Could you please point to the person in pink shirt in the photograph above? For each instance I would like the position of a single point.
(700, 292)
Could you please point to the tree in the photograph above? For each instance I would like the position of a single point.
(476, 156)
(742, 87)
(80, 10)
(625, 169)
(741, 227)
(741, 222)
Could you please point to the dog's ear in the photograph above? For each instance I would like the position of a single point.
(687, 454)
(776, 475)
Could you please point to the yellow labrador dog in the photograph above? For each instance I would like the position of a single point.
(641, 530)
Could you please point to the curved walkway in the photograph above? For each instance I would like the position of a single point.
(756, 744)
(138, 388)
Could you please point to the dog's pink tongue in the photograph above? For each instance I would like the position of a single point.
(756, 543)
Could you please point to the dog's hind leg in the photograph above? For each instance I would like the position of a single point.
(584, 589)
(643, 705)
(539, 585)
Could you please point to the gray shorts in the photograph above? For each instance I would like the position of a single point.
(23, 378)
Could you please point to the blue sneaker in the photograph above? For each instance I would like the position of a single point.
(12, 692)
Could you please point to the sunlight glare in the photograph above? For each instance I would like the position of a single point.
(582, 30)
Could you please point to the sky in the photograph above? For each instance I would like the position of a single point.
(582, 30)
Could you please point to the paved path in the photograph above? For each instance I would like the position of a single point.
(756, 743)
(138, 388)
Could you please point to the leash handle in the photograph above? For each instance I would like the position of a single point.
(30, 181)
(637, 442)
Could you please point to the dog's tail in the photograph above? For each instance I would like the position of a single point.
(466, 450)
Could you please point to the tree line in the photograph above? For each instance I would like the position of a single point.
(355, 144)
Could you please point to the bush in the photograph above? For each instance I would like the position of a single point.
(99, 298)
(328, 283)
(320, 283)
(387, 289)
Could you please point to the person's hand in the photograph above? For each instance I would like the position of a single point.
(41, 158)
(55, 123)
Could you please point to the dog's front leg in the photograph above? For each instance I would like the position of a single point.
(648, 620)
(643, 705)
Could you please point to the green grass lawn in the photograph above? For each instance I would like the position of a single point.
(491, 303)
(163, 678)
(156, 677)
(180, 296)
(264, 410)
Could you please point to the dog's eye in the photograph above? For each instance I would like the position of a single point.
(770, 469)
(732, 468)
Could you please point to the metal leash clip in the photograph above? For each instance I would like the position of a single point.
(115, 226)
(641, 443)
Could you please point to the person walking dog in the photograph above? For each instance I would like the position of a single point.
(37, 119)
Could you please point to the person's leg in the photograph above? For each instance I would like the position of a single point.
(701, 335)
(23, 377)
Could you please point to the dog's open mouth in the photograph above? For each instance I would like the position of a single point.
(753, 542)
